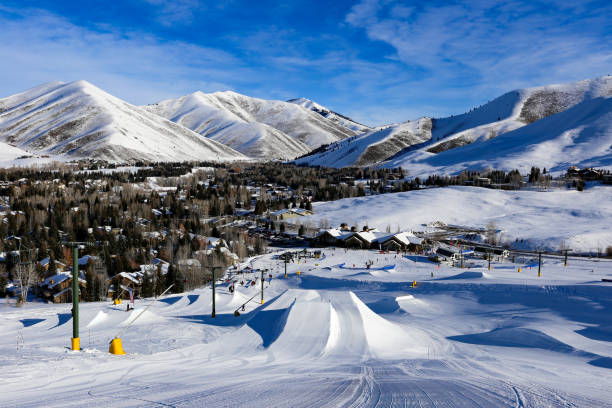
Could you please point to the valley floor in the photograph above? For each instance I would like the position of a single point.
(536, 220)
(336, 334)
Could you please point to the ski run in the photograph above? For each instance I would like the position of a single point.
(350, 328)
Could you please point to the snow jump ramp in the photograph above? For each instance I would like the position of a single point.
(323, 324)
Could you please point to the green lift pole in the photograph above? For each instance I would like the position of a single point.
(213, 314)
(262, 285)
(539, 264)
(75, 298)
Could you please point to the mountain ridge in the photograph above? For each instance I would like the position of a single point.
(273, 129)
(77, 119)
(505, 114)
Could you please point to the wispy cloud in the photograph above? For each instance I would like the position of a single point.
(171, 12)
(484, 47)
(139, 67)
(378, 61)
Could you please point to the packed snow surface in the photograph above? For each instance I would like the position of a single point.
(336, 334)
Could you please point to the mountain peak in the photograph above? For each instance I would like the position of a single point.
(78, 119)
(264, 129)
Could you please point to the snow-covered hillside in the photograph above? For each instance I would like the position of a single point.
(371, 147)
(331, 115)
(522, 108)
(11, 156)
(206, 115)
(256, 127)
(78, 119)
(334, 333)
(581, 136)
(543, 220)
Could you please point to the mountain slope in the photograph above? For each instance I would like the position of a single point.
(507, 113)
(80, 120)
(512, 111)
(209, 116)
(331, 115)
(580, 135)
(371, 147)
(256, 127)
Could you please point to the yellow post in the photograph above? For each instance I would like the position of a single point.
(76, 344)
(519, 269)
(116, 347)
(298, 272)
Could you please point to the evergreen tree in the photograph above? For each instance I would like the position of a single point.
(170, 277)
(179, 282)
(147, 285)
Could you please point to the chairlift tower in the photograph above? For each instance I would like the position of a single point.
(76, 346)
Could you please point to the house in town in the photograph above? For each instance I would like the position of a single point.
(58, 288)
(123, 284)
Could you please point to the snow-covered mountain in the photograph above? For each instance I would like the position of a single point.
(519, 109)
(256, 127)
(78, 119)
(513, 110)
(580, 135)
(553, 126)
(214, 117)
(331, 115)
(372, 147)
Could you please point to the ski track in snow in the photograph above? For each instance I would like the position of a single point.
(330, 338)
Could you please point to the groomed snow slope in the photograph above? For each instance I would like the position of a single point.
(330, 337)
(257, 127)
(540, 219)
(331, 115)
(80, 120)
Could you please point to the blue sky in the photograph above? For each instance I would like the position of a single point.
(377, 61)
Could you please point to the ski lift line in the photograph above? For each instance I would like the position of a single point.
(244, 304)
(143, 311)
(533, 253)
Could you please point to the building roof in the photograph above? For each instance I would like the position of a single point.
(445, 252)
(53, 281)
(406, 238)
(128, 275)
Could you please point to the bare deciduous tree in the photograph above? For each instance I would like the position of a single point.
(492, 233)
(25, 275)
